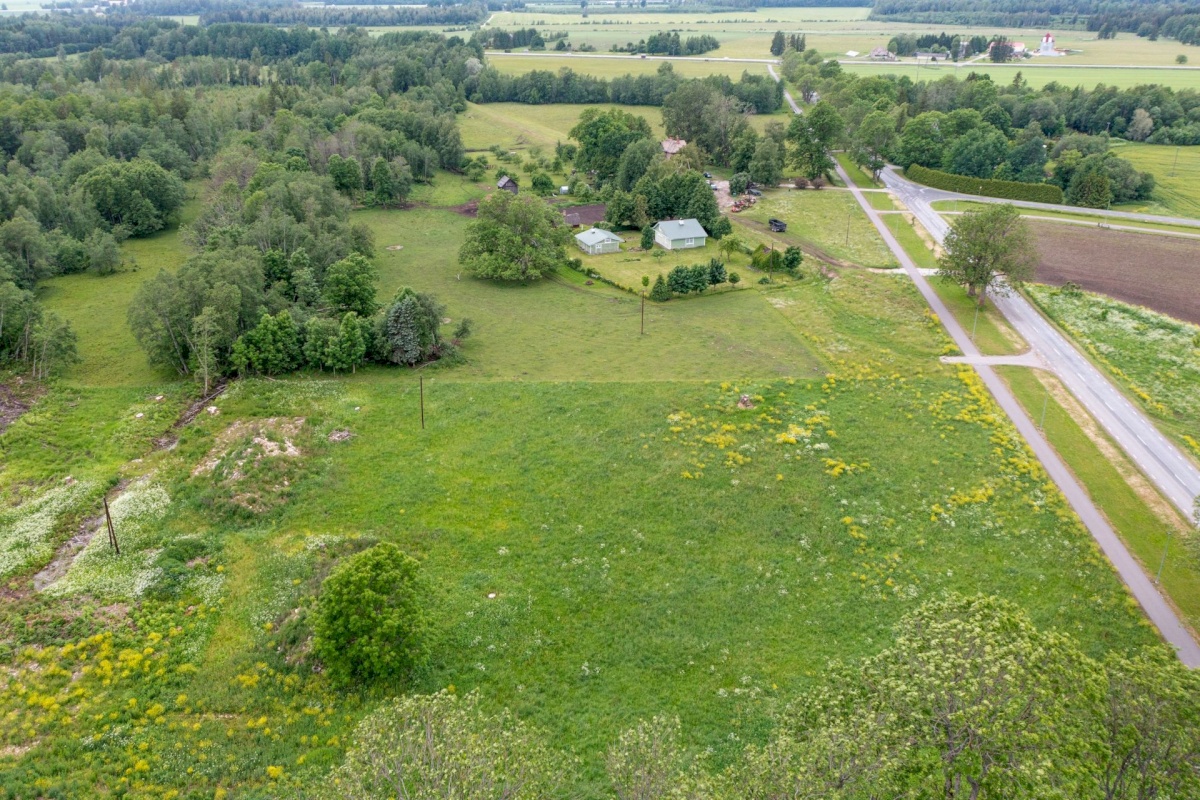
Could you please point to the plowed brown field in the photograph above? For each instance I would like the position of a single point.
(1159, 272)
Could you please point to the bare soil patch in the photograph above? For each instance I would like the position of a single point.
(470, 209)
(585, 215)
(1159, 272)
(16, 396)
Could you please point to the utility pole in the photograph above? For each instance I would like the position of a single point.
(112, 532)
(1045, 403)
(975, 324)
(1163, 561)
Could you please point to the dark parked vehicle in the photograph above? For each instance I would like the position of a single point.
(755, 192)
(777, 225)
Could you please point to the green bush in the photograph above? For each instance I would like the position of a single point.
(1007, 190)
(370, 622)
(660, 293)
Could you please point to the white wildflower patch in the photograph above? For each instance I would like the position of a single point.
(99, 570)
(26, 530)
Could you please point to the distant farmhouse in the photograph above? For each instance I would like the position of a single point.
(597, 241)
(882, 54)
(679, 234)
(508, 184)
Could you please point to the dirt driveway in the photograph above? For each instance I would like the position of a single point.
(724, 198)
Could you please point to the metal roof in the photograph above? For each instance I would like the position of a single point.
(594, 236)
(681, 229)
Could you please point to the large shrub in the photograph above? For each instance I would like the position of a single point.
(370, 622)
(1008, 190)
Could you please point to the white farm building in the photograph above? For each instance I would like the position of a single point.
(597, 241)
(679, 234)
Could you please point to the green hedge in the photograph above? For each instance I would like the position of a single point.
(1007, 190)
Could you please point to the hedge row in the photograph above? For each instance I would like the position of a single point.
(1007, 190)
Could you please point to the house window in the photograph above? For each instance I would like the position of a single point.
(689, 243)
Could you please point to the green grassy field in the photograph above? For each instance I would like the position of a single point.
(96, 307)
(514, 125)
(834, 31)
(829, 220)
(1087, 77)
(1176, 172)
(650, 547)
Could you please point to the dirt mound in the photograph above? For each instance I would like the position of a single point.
(470, 209)
(255, 462)
(268, 438)
(340, 436)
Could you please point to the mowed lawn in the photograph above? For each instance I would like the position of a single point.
(829, 221)
(561, 329)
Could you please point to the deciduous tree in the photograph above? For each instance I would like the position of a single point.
(988, 249)
(514, 238)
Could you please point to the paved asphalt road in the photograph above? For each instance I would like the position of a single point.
(1131, 572)
(1164, 463)
(930, 195)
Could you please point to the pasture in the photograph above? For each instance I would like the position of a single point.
(1176, 172)
(837, 31)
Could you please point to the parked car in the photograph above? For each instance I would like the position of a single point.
(777, 225)
(755, 192)
(708, 175)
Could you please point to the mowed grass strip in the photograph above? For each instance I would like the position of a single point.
(1142, 530)
(990, 331)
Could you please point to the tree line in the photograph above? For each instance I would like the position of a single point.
(982, 129)
(669, 43)
(755, 92)
(1106, 17)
